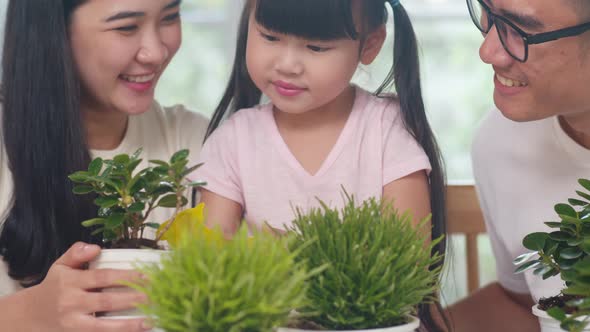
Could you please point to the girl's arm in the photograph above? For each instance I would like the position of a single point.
(410, 192)
(221, 212)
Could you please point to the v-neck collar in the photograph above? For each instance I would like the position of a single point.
(285, 152)
(125, 146)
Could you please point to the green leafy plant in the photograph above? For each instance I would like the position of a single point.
(378, 265)
(247, 284)
(565, 251)
(126, 198)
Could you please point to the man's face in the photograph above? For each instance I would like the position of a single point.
(555, 80)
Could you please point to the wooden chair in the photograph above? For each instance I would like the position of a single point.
(465, 217)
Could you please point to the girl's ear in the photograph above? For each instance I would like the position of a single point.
(373, 45)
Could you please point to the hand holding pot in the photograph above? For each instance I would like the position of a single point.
(65, 300)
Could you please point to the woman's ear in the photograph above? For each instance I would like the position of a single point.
(373, 45)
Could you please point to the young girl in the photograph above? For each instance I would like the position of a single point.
(319, 133)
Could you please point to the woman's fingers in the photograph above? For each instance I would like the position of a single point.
(77, 255)
(65, 299)
(113, 301)
(92, 324)
(105, 278)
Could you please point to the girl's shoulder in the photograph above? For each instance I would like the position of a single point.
(244, 123)
(379, 108)
(255, 113)
(249, 118)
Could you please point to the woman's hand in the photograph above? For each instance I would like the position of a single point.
(65, 300)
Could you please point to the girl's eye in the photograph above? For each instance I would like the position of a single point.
(317, 48)
(127, 28)
(269, 37)
(172, 17)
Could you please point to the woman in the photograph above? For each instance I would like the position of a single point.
(79, 80)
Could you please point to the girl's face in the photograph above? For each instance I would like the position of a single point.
(121, 47)
(300, 75)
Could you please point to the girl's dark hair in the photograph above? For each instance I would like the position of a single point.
(43, 136)
(331, 19)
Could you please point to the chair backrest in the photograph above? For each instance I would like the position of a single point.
(464, 217)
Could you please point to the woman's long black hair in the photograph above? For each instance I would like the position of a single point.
(43, 136)
(331, 19)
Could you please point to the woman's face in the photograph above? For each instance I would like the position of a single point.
(121, 47)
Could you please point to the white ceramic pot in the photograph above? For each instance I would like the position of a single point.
(548, 323)
(409, 327)
(125, 259)
(132, 317)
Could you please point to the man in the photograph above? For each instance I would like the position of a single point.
(528, 154)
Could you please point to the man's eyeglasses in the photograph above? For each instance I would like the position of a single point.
(515, 41)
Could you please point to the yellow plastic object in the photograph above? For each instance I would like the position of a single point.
(189, 223)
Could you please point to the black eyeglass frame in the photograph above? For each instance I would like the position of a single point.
(529, 39)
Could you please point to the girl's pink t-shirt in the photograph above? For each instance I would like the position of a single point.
(247, 161)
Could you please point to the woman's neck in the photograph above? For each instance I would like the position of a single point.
(577, 126)
(333, 112)
(105, 129)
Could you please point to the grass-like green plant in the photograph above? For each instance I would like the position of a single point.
(126, 198)
(565, 251)
(378, 265)
(247, 284)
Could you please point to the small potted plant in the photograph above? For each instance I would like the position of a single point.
(566, 252)
(126, 198)
(378, 268)
(208, 283)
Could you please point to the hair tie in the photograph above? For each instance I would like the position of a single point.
(394, 3)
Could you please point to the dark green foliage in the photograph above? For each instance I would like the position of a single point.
(564, 251)
(374, 265)
(126, 198)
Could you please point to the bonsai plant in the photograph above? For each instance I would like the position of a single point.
(378, 267)
(207, 283)
(566, 252)
(125, 199)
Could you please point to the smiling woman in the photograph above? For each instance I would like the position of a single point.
(78, 82)
(140, 44)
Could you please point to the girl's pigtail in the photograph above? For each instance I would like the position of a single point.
(406, 76)
(240, 92)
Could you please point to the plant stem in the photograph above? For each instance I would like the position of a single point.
(547, 260)
(179, 192)
(149, 210)
(137, 222)
(125, 233)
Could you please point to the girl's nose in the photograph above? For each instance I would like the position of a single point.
(289, 62)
